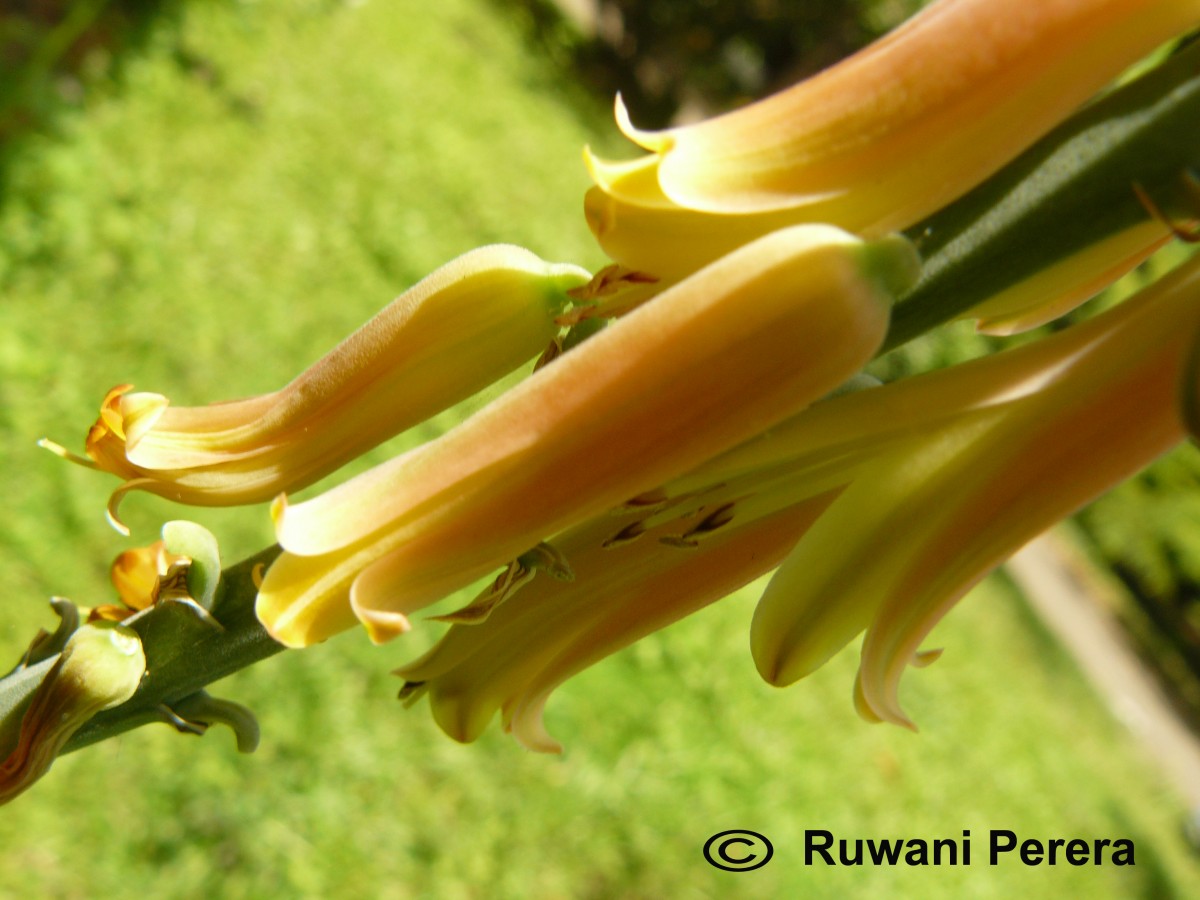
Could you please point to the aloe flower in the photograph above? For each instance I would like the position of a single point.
(706, 364)
(629, 580)
(898, 500)
(458, 330)
(945, 475)
(879, 141)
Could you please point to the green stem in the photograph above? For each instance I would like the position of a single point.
(1069, 191)
(184, 653)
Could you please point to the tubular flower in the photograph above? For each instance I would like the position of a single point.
(947, 474)
(878, 141)
(469, 323)
(629, 580)
(706, 364)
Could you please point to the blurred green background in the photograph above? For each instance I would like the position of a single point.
(201, 198)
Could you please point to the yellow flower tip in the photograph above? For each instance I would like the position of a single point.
(782, 662)
(526, 723)
(654, 141)
(633, 181)
(139, 413)
(110, 411)
(303, 601)
(382, 625)
(279, 508)
(869, 713)
(459, 718)
(1060, 288)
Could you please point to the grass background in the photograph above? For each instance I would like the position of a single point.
(260, 181)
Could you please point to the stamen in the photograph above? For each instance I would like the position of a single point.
(542, 558)
(606, 295)
(626, 535)
(61, 451)
(513, 578)
(411, 692)
(552, 352)
(718, 518)
(1184, 233)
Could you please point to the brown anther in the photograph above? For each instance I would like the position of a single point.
(608, 281)
(718, 518)
(655, 497)
(679, 540)
(626, 535)
(552, 352)
(409, 690)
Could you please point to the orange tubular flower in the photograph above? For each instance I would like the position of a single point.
(708, 363)
(900, 498)
(629, 581)
(879, 141)
(950, 473)
(469, 323)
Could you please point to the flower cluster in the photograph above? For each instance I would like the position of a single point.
(698, 418)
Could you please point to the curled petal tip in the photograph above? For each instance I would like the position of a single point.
(654, 141)
(112, 509)
(382, 626)
(876, 715)
(528, 728)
